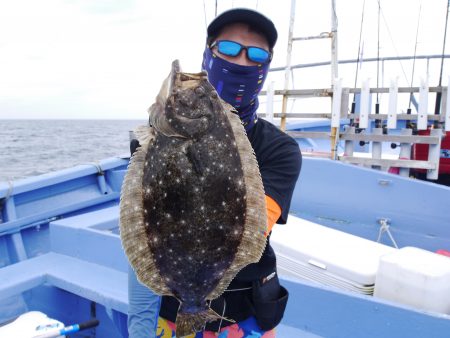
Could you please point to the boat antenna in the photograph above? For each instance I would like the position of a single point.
(414, 61)
(377, 104)
(439, 94)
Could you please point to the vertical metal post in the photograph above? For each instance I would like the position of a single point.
(422, 115)
(447, 107)
(287, 71)
(334, 74)
(334, 42)
(349, 143)
(434, 152)
(269, 103)
(376, 147)
(405, 152)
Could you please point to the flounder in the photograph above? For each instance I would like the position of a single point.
(192, 208)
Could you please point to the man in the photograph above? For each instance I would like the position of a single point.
(237, 57)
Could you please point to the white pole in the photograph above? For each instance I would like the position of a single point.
(334, 42)
(334, 75)
(269, 103)
(287, 70)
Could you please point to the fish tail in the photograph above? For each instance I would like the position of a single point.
(189, 323)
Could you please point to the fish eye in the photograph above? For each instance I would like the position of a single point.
(200, 91)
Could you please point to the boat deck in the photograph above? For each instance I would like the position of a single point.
(68, 261)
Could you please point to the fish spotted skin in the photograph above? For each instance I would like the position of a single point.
(192, 203)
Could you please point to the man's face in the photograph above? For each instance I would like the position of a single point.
(241, 33)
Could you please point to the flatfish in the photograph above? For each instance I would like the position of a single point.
(192, 208)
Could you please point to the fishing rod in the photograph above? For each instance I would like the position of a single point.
(357, 63)
(411, 95)
(439, 94)
(377, 104)
(69, 329)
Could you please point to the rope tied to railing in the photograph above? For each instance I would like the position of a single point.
(100, 171)
(4, 199)
(384, 228)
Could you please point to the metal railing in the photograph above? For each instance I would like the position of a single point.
(361, 130)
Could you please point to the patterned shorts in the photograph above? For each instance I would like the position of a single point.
(245, 329)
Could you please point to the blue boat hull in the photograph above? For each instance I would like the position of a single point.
(61, 253)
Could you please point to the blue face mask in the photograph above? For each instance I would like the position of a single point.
(237, 85)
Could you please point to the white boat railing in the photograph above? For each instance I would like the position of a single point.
(340, 114)
(360, 127)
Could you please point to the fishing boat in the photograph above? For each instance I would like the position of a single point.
(363, 253)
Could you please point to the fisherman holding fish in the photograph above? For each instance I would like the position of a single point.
(237, 56)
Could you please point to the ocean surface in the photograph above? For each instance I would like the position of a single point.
(34, 147)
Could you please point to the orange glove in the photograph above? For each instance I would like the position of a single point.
(273, 213)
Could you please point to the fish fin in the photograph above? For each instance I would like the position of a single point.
(157, 111)
(144, 134)
(132, 225)
(253, 241)
(189, 323)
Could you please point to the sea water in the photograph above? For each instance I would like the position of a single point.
(34, 147)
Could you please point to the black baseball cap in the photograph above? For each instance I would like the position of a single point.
(245, 15)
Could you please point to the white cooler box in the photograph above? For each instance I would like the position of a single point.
(310, 251)
(415, 277)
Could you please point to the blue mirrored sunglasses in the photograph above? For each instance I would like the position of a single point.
(232, 48)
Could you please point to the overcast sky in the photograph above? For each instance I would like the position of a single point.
(107, 58)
